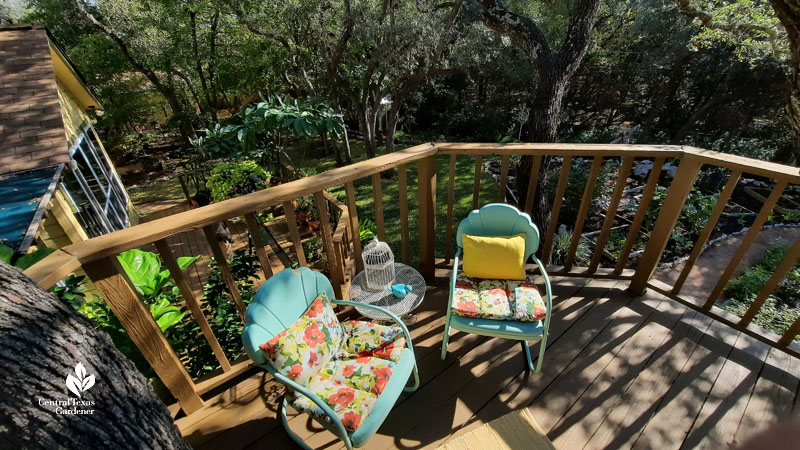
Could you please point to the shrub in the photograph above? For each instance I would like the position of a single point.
(561, 244)
(782, 306)
(233, 179)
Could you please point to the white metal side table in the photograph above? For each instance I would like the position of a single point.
(385, 299)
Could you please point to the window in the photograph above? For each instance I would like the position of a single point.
(94, 187)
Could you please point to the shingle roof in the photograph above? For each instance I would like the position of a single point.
(31, 127)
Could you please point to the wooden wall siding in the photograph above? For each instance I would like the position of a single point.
(31, 127)
(74, 117)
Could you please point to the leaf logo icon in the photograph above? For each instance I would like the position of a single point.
(81, 383)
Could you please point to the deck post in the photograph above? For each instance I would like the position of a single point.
(427, 216)
(108, 276)
(662, 230)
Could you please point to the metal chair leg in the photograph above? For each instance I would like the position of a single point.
(445, 338)
(527, 351)
(542, 345)
(285, 423)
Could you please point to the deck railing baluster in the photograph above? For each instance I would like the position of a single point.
(505, 161)
(711, 223)
(641, 212)
(327, 242)
(109, 277)
(583, 211)
(403, 197)
(451, 182)
(608, 223)
(352, 209)
(294, 232)
(563, 178)
(763, 215)
(192, 302)
(532, 182)
(222, 262)
(476, 188)
(377, 196)
(667, 217)
(261, 250)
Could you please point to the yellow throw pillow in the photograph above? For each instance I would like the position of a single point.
(496, 257)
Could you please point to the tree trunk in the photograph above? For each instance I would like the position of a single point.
(348, 158)
(542, 127)
(391, 127)
(42, 341)
(366, 121)
(788, 12)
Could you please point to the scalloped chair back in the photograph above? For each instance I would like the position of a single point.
(499, 219)
(278, 303)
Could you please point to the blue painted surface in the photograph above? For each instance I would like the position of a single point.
(20, 196)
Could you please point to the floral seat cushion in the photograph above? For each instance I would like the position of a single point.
(369, 339)
(350, 387)
(498, 299)
(347, 365)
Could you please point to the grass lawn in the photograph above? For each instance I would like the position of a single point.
(169, 189)
(302, 156)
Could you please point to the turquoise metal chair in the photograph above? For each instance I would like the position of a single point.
(278, 304)
(499, 219)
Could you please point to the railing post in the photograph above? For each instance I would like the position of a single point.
(108, 276)
(662, 230)
(427, 216)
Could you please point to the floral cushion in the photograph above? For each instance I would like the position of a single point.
(346, 365)
(351, 406)
(306, 345)
(498, 299)
(350, 386)
(370, 339)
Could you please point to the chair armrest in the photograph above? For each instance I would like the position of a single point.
(548, 289)
(384, 311)
(453, 279)
(335, 422)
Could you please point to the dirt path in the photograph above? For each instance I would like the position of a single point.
(713, 261)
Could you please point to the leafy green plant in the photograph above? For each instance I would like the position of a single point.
(233, 179)
(782, 306)
(312, 247)
(561, 243)
(26, 260)
(223, 316)
(366, 231)
(144, 270)
(71, 290)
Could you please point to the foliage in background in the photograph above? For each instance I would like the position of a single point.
(228, 180)
(561, 243)
(261, 131)
(783, 305)
(690, 223)
(24, 261)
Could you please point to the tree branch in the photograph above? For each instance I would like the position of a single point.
(521, 30)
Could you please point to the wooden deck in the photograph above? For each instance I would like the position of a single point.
(619, 372)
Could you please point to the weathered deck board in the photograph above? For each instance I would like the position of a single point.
(619, 372)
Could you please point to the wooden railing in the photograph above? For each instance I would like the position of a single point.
(342, 245)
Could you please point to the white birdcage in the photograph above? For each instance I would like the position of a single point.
(378, 264)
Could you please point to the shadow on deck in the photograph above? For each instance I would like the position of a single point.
(619, 371)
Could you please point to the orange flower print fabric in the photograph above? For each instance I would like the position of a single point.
(369, 339)
(307, 344)
(498, 299)
(345, 365)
